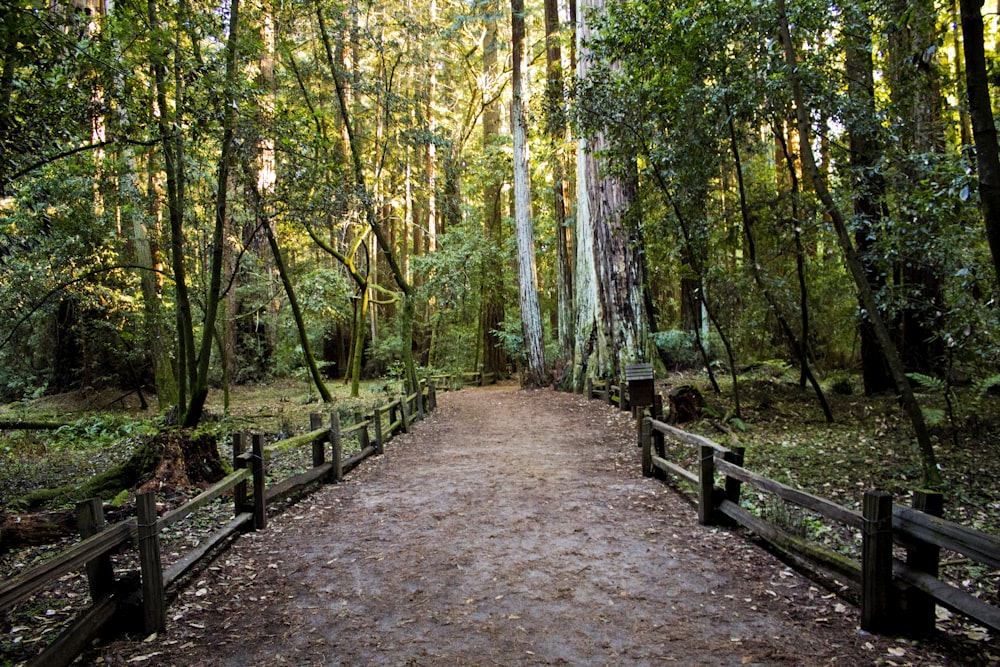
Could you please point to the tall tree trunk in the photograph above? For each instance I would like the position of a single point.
(868, 182)
(915, 88)
(784, 155)
(10, 38)
(491, 321)
(300, 324)
(527, 279)
(984, 129)
(928, 460)
(430, 165)
(621, 319)
(163, 372)
(751, 245)
(199, 385)
(143, 253)
(555, 127)
(265, 177)
(172, 144)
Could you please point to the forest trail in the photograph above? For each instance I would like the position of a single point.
(510, 528)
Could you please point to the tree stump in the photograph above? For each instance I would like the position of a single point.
(183, 459)
(686, 404)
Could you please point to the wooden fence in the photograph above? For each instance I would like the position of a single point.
(479, 378)
(111, 597)
(612, 393)
(895, 594)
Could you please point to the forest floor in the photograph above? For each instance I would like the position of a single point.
(510, 528)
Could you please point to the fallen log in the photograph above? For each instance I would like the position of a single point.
(36, 528)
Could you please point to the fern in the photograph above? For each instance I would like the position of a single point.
(933, 416)
(980, 387)
(929, 383)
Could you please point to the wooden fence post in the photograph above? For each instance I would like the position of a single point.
(876, 561)
(920, 616)
(363, 440)
(318, 445)
(392, 418)
(646, 442)
(377, 422)
(240, 490)
(432, 400)
(607, 390)
(257, 466)
(404, 407)
(337, 455)
(734, 456)
(660, 448)
(706, 486)
(590, 389)
(623, 402)
(420, 400)
(100, 572)
(154, 611)
(657, 409)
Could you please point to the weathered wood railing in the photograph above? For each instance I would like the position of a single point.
(612, 393)
(479, 378)
(99, 542)
(894, 596)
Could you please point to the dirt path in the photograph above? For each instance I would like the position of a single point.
(511, 528)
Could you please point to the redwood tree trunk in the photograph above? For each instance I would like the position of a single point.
(527, 280)
(494, 359)
(555, 121)
(612, 322)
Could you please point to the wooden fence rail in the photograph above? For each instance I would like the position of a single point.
(250, 499)
(895, 595)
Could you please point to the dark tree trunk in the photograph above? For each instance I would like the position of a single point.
(915, 88)
(869, 184)
(798, 347)
(984, 129)
(68, 352)
(300, 324)
(494, 358)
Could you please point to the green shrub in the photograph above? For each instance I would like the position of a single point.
(678, 349)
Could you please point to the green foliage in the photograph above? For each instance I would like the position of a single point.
(928, 383)
(678, 349)
(842, 385)
(512, 338)
(121, 499)
(983, 386)
(98, 430)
